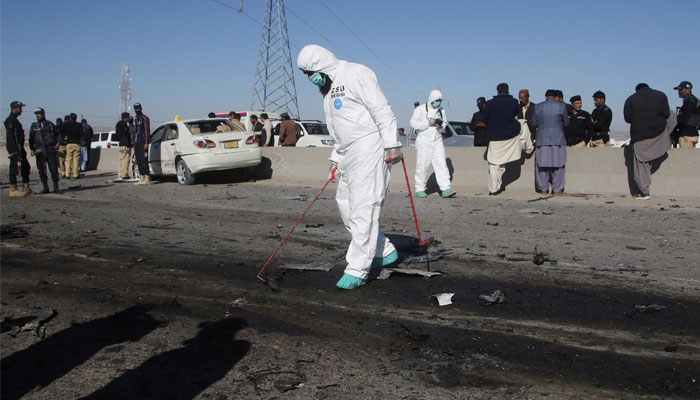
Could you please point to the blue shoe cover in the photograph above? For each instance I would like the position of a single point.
(421, 194)
(383, 262)
(448, 193)
(350, 282)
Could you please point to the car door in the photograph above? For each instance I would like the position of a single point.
(154, 153)
(169, 149)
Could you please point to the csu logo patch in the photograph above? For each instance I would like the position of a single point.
(338, 104)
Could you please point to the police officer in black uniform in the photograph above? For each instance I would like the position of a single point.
(578, 132)
(601, 118)
(478, 126)
(16, 152)
(688, 119)
(44, 141)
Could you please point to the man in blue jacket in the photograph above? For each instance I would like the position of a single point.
(550, 155)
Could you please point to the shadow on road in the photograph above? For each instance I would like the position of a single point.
(58, 354)
(184, 372)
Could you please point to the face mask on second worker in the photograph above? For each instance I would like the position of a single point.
(436, 103)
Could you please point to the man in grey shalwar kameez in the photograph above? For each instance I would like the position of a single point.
(550, 118)
(647, 111)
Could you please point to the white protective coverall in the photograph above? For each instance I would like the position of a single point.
(429, 147)
(361, 122)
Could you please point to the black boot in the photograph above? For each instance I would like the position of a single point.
(46, 187)
(55, 188)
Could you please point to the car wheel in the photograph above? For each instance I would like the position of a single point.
(184, 176)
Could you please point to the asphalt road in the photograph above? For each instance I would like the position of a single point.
(155, 296)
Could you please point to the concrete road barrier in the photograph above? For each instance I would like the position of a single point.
(588, 170)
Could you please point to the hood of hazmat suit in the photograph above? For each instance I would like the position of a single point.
(424, 113)
(355, 106)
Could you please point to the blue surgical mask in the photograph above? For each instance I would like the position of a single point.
(436, 104)
(317, 79)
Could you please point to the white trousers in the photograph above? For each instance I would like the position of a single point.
(364, 179)
(495, 177)
(430, 151)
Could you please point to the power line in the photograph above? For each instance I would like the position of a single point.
(369, 48)
(240, 11)
(338, 48)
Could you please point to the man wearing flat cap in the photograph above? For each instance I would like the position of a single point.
(578, 133)
(688, 120)
(15, 149)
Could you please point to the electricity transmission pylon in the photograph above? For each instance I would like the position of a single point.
(274, 89)
(125, 90)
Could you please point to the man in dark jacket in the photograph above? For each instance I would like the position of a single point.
(141, 140)
(73, 134)
(646, 111)
(43, 141)
(688, 120)
(550, 154)
(15, 149)
(478, 126)
(85, 144)
(502, 129)
(601, 118)
(125, 145)
(578, 133)
(257, 126)
(526, 111)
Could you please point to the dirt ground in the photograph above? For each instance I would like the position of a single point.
(155, 296)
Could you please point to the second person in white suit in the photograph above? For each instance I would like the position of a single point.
(429, 120)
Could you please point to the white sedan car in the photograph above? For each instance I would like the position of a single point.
(186, 148)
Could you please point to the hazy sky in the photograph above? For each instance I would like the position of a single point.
(191, 57)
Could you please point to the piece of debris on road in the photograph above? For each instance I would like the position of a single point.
(430, 256)
(493, 298)
(386, 272)
(312, 266)
(649, 308)
(12, 231)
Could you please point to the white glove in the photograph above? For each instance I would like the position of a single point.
(333, 168)
(393, 156)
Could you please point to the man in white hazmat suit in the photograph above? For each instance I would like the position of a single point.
(429, 121)
(361, 122)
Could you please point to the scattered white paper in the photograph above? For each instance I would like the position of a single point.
(444, 299)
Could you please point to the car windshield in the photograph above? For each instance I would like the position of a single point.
(211, 126)
(461, 128)
(316, 128)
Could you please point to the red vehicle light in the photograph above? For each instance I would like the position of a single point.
(252, 139)
(204, 143)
